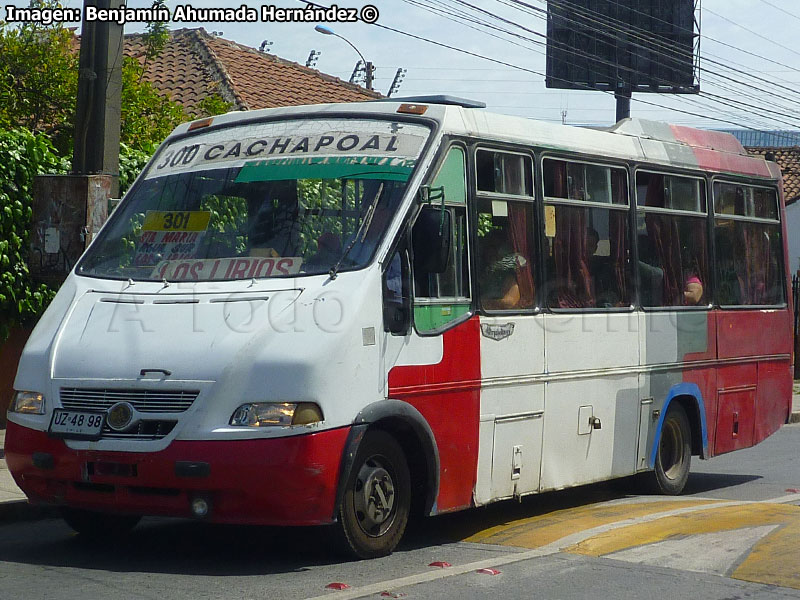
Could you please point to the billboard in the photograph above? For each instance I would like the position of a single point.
(639, 45)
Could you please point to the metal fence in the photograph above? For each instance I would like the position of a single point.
(796, 322)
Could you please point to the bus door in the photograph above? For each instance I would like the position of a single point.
(512, 334)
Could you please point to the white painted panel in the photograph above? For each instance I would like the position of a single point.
(512, 346)
(577, 342)
(512, 354)
(667, 337)
(646, 424)
(571, 459)
(523, 436)
(483, 486)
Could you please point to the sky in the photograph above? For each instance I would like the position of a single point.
(749, 56)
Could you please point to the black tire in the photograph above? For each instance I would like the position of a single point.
(97, 525)
(377, 499)
(674, 455)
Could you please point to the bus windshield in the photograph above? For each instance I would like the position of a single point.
(278, 199)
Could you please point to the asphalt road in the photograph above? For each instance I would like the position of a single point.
(723, 539)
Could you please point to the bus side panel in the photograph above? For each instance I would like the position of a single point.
(754, 333)
(773, 398)
(704, 378)
(754, 398)
(736, 397)
(447, 394)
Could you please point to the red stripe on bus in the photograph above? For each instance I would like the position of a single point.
(448, 396)
(700, 138)
(435, 388)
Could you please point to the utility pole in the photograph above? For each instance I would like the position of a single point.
(97, 118)
(623, 95)
(370, 68)
(398, 79)
(68, 210)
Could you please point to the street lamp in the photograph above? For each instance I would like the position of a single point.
(367, 65)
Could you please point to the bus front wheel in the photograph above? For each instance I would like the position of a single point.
(674, 455)
(377, 498)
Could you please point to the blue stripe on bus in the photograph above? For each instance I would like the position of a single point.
(681, 389)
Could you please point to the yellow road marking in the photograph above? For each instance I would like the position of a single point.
(775, 560)
(534, 532)
(696, 522)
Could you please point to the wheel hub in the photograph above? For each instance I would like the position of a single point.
(671, 450)
(374, 498)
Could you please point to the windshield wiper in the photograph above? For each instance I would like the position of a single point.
(361, 233)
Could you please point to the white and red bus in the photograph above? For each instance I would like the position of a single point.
(343, 314)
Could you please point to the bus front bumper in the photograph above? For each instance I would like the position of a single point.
(281, 481)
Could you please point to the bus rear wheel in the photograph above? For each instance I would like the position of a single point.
(96, 525)
(377, 498)
(674, 455)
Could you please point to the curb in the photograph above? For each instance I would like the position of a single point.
(794, 417)
(21, 510)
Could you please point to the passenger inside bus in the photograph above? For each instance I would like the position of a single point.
(693, 290)
(499, 288)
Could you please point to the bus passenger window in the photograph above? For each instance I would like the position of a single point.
(504, 173)
(505, 247)
(588, 260)
(749, 254)
(672, 234)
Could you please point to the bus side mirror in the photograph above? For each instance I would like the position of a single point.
(431, 240)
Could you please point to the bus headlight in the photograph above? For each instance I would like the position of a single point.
(29, 403)
(270, 414)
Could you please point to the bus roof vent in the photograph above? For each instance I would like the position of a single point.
(436, 99)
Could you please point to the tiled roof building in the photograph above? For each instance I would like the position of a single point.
(789, 161)
(195, 65)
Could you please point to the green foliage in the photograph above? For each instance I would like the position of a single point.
(227, 225)
(23, 155)
(38, 78)
(156, 34)
(39, 85)
(131, 163)
(38, 91)
(212, 105)
(147, 117)
(325, 194)
(485, 224)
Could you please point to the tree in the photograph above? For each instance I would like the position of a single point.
(39, 78)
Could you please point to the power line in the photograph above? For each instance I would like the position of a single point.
(626, 31)
(722, 100)
(771, 41)
(533, 71)
(784, 11)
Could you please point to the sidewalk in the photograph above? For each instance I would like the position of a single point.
(14, 507)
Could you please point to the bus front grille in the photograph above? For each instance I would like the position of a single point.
(144, 401)
(159, 410)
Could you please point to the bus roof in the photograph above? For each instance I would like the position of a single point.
(635, 140)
